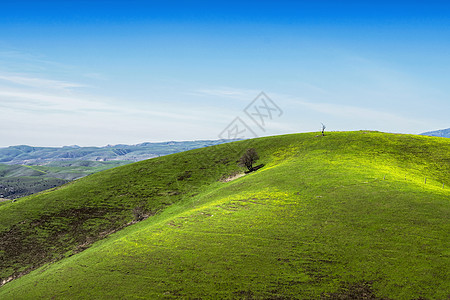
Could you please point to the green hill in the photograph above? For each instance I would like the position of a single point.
(343, 216)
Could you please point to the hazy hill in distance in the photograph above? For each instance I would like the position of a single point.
(439, 133)
(29, 155)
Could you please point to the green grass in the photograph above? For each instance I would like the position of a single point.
(326, 217)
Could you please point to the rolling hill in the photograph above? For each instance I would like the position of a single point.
(352, 215)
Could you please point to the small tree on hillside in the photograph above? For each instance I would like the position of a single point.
(248, 159)
(323, 129)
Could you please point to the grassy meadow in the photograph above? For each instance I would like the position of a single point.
(347, 215)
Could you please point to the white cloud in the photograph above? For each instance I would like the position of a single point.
(227, 92)
(36, 115)
(39, 82)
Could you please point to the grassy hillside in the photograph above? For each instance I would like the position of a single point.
(348, 214)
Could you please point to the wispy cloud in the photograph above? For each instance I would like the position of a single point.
(45, 103)
(35, 82)
(96, 76)
(227, 92)
(50, 112)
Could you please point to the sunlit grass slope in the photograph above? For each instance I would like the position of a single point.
(59, 222)
(333, 217)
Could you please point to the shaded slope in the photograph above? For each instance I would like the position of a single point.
(322, 215)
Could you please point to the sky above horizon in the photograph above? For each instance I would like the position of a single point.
(93, 73)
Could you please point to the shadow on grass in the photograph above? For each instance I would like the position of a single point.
(254, 169)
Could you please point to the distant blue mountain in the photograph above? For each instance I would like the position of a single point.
(439, 133)
(28, 155)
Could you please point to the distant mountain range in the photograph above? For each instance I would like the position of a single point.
(439, 133)
(28, 155)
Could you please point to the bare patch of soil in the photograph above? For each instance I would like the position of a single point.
(355, 291)
(232, 177)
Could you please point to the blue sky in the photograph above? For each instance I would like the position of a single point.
(109, 72)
